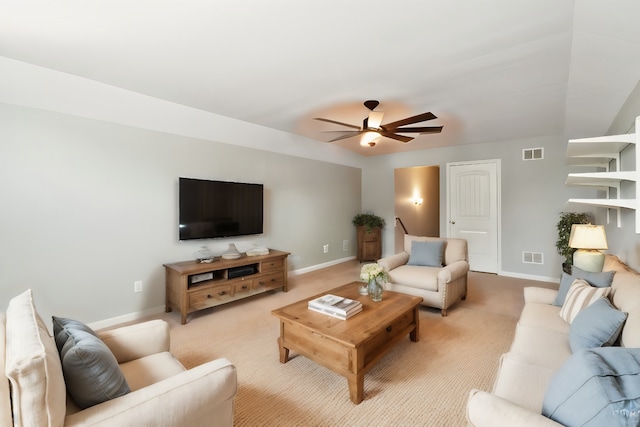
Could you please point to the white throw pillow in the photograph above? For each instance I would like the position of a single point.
(580, 295)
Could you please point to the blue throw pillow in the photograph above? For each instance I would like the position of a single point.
(598, 325)
(599, 280)
(428, 254)
(596, 387)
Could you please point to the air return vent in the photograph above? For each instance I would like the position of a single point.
(533, 154)
(532, 257)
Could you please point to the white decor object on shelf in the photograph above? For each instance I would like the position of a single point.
(258, 250)
(600, 152)
(204, 255)
(231, 253)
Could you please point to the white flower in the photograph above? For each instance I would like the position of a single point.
(372, 271)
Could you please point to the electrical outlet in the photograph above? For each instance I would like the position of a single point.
(325, 248)
(137, 286)
(345, 245)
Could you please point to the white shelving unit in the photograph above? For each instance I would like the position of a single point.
(600, 152)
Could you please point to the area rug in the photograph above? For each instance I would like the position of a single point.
(424, 383)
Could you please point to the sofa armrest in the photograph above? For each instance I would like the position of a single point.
(534, 294)
(453, 271)
(135, 341)
(200, 396)
(394, 261)
(486, 409)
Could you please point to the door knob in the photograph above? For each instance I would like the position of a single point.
(452, 222)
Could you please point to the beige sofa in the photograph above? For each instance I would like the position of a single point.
(541, 349)
(162, 392)
(439, 286)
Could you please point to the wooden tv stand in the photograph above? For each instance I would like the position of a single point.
(193, 286)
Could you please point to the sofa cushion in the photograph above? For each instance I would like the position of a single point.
(543, 316)
(579, 297)
(596, 387)
(599, 280)
(521, 382)
(531, 345)
(416, 277)
(596, 326)
(151, 369)
(33, 366)
(428, 254)
(91, 371)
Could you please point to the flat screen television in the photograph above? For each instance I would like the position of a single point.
(213, 209)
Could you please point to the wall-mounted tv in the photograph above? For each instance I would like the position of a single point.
(212, 209)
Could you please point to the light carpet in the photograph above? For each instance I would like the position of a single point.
(424, 383)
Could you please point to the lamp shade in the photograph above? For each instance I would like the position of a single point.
(587, 236)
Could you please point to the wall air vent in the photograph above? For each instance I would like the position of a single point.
(532, 257)
(533, 154)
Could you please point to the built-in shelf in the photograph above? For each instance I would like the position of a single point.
(600, 152)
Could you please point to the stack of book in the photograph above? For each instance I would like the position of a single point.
(332, 305)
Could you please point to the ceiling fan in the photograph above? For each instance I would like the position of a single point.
(372, 126)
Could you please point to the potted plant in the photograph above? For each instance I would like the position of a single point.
(368, 220)
(567, 219)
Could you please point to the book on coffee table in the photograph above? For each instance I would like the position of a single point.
(335, 306)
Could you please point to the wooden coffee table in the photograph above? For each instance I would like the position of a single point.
(348, 347)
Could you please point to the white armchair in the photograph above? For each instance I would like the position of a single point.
(162, 391)
(440, 278)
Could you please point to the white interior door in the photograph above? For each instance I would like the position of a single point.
(473, 210)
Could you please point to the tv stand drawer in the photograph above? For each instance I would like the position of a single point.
(209, 297)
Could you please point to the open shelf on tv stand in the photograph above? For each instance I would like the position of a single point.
(193, 286)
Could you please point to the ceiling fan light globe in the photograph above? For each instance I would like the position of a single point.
(368, 138)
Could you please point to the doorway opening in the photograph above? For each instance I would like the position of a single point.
(417, 203)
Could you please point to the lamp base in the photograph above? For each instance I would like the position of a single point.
(588, 260)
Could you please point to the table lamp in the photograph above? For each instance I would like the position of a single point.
(588, 240)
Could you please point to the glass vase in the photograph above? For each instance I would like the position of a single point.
(375, 290)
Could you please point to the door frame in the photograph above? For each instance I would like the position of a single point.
(498, 206)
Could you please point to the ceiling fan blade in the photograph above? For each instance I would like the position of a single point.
(427, 129)
(396, 137)
(375, 119)
(336, 123)
(347, 135)
(410, 120)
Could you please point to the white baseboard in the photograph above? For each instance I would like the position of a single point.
(530, 277)
(106, 323)
(320, 266)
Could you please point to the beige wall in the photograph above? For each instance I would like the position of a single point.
(423, 219)
(89, 207)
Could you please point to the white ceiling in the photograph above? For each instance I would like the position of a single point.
(490, 70)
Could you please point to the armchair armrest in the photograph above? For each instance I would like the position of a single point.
(453, 271)
(199, 396)
(394, 261)
(539, 295)
(135, 341)
(486, 409)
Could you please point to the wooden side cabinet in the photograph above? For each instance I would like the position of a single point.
(369, 244)
(193, 286)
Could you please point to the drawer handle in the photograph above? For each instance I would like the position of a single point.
(388, 328)
(222, 293)
(245, 287)
(208, 295)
